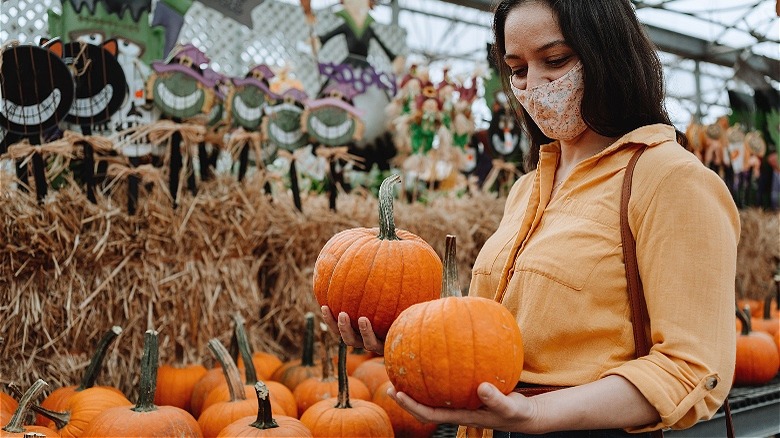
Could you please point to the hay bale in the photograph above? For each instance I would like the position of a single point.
(758, 253)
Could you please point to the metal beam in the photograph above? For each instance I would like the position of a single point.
(680, 44)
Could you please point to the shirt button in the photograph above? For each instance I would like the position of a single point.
(711, 383)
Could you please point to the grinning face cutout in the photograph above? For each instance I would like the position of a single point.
(332, 122)
(36, 88)
(247, 103)
(282, 126)
(179, 95)
(101, 87)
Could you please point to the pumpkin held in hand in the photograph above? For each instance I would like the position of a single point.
(376, 272)
(439, 352)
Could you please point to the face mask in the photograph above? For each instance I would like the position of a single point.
(555, 106)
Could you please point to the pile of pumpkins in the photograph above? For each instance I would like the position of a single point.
(358, 272)
(758, 341)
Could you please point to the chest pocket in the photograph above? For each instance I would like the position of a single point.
(573, 244)
(495, 252)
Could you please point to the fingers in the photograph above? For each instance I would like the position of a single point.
(370, 341)
(495, 401)
(329, 320)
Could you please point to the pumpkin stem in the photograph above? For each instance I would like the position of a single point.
(450, 286)
(265, 419)
(60, 419)
(343, 400)
(386, 220)
(229, 369)
(149, 364)
(307, 359)
(246, 353)
(327, 361)
(768, 307)
(96, 364)
(16, 424)
(744, 316)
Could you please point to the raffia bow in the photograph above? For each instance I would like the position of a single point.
(499, 166)
(241, 137)
(338, 153)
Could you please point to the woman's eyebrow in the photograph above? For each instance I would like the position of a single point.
(549, 45)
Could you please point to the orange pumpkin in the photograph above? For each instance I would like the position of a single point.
(404, 424)
(217, 416)
(429, 340)
(144, 419)
(264, 424)
(315, 389)
(15, 426)
(203, 387)
(82, 408)
(7, 403)
(58, 399)
(373, 373)
(767, 322)
(758, 359)
(356, 418)
(265, 364)
(175, 385)
(376, 272)
(293, 372)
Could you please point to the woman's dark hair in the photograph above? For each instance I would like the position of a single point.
(624, 85)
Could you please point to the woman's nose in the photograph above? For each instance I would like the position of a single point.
(534, 78)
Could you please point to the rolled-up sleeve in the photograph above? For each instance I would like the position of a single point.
(687, 229)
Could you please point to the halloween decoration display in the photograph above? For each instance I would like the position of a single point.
(101, 89)
(282, 128)
(36, 93)
(180, 90)
(246, 105)
(376, 272)
(333, 125)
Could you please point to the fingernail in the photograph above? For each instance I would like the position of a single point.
(342, 318)
(363, 324)
(324, 310)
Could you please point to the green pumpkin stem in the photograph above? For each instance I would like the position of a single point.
(327, 360)
(307, 359)
(60, 419)
(265, 419)
(343, 400)
(450, 286)
(96, 364)
(149, 363)
(16, 425)
(386, 220)
(744, 316)
(250, 374)
(229, 369)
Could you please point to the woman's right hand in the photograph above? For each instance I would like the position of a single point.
(365, 339)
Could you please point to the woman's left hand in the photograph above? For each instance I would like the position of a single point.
(512, 412)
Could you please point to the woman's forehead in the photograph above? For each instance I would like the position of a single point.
(531, 27)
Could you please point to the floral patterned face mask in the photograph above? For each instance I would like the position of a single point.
(555, 106)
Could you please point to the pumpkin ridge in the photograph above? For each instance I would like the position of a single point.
(359, 308)
(381, 314)
(424, 378)
(474, 343)
(342, 269)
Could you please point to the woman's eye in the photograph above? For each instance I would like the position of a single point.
(519, 72)
(558, 61)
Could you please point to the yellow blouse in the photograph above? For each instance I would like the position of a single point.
(557, 265)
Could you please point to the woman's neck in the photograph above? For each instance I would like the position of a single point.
(582, 147)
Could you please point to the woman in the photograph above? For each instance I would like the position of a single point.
(591, 89)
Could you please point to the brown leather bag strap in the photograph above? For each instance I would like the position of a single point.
(636, 294)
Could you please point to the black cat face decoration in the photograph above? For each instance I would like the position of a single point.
(36, 88)
(101, 87)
